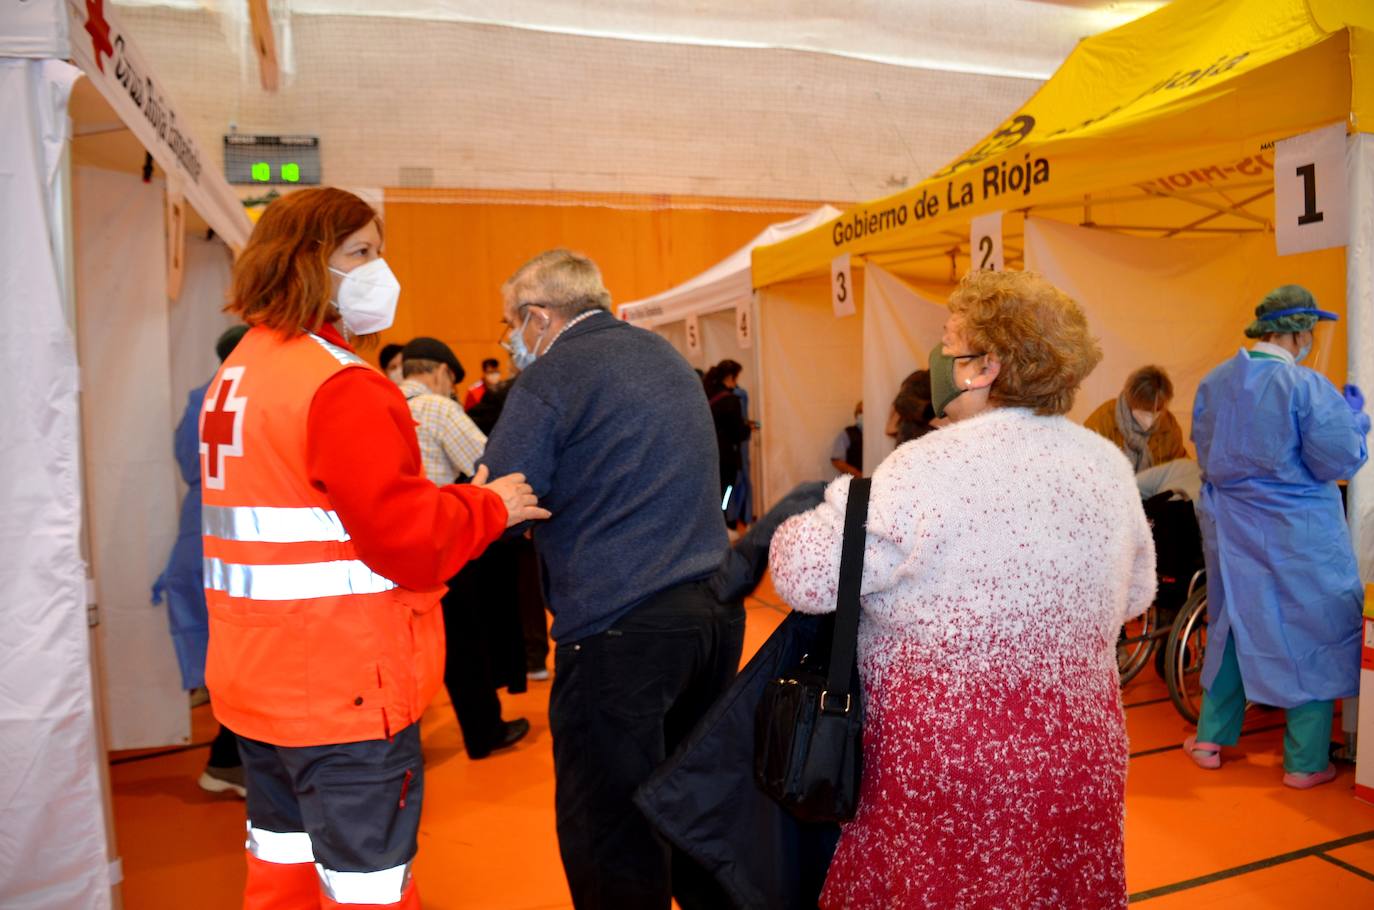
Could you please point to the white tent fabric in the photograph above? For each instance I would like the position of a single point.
(1143, 297)
(122, 327)
(724, 284)
(127, 80)
(196, 320)
(901, 325)
(810, 376)
(52, 842)
(1359, 291)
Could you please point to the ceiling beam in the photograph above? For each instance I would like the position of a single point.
(264, 44)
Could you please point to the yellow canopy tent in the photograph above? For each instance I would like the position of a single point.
(1146, 163)
(1141, 178)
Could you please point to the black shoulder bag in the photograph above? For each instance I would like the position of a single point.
(808, 729)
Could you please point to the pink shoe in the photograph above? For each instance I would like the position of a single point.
(1205, 755)
(1306, 780)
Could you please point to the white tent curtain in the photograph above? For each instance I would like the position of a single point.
(52, 842)
(724, 285)
(901, 325)
(196, 320)
(810, 375)
(1145, 298)
(1360, 336)
(122, 322)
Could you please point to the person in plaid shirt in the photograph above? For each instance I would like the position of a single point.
(450, 442)
(480, 616)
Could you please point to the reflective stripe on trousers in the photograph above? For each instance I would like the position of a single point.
(297, 581)
(384, 887)
(271, 524)
(283, 847)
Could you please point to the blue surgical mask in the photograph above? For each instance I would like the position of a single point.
(1302, 353)
(520, 355)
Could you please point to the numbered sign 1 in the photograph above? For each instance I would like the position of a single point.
(693, 339)
(744, 323)
(842, 286)
(1310, 198)
(985, 242)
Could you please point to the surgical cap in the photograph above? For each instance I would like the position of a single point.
(1290, 308)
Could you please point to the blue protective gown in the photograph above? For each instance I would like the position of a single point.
(183, 581)
(1272, 438)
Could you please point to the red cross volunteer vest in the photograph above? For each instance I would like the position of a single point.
(308, 646)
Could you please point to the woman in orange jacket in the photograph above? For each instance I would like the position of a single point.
(326, 552)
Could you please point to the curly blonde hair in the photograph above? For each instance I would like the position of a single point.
(1037, 332)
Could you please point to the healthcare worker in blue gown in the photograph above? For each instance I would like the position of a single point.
(1283, 593)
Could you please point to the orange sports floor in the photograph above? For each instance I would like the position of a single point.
(1229, 839)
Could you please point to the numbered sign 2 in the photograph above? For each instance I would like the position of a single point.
(744, 323)
(842, 286)
(1310, 199)
(693, 339)
(985, 242)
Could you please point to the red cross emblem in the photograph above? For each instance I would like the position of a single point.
(99, 29)
(221, 427)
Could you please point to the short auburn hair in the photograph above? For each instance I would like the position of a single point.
(1038, 333)
(281, 279)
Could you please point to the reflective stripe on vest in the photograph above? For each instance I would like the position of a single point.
(298, 581)
(268, 524)
(347, 358)
(284, 847)
(385, 887)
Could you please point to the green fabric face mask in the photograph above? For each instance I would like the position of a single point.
(942, 387)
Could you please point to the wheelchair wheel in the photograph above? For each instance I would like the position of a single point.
(1183, 656)
(1136, 643)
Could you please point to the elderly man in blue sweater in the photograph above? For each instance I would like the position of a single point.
(611, 428)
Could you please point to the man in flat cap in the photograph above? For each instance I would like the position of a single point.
(1284, 594)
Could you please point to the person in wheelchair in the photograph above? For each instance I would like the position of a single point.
(1284, 594)
(1170, 492)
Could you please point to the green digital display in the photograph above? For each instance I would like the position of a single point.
(272, 160)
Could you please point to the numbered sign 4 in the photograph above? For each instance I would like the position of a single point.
(1310, 197)
(744, 323)
(985, 242)
(842, 286)
(693, 339)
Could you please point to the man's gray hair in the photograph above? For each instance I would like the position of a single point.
(561, 280)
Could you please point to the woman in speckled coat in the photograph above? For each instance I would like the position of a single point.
(1003, 554)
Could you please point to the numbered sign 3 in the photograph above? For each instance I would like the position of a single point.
(1310, 198)
(842, 286)
(985, 242)
(693, 339)
(744, 323)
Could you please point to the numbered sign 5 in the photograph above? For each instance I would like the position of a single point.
(1310, 197)
(985, 242)
(693, 339)
(842, 286)
(744, 323)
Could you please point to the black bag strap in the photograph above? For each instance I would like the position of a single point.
(845, 642)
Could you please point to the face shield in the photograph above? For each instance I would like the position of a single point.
(1323, 346)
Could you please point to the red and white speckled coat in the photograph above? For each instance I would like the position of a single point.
(1003, 554)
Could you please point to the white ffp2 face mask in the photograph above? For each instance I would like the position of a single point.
(367, 297)
(1146, 419)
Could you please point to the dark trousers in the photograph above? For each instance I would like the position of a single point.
(224, 749)
(530, 598)
(468, 671)
(358, 802)
(622, 701)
